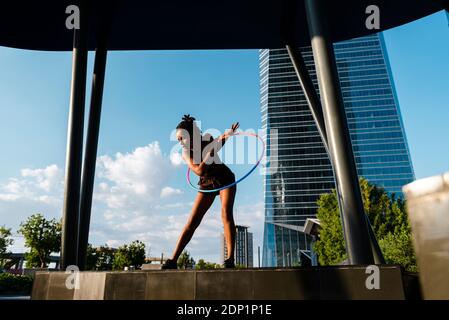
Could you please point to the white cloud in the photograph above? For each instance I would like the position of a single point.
(47, 178)
(176, 158)
(113, 243)
(36, 185)
(133, 178)
(14, 186)
(172, 205)
(167, 192)
(9, 197)
(34, 191)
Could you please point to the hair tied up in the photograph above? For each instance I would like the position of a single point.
(188, 118)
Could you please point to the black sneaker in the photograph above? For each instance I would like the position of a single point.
(229, 263)
(169, 264)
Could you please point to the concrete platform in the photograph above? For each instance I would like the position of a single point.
(339, 282)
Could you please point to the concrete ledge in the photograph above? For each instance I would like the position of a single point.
(339, 282)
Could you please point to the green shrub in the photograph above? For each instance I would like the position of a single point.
(10, 283)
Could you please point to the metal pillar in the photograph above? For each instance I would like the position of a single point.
(309, 91)
(90, 155)
(74, 146)
(375, 248)
(353, 218)
(316, 109)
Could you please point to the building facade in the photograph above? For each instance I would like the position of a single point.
(243, 247)
(301, 167)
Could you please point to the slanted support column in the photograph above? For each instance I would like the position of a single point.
(309, 91)
(90, 155)
(74, 146)
(354, 223)
(317, 112)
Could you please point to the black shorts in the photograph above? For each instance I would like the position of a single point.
(217, 177)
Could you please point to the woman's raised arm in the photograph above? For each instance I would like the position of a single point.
(215, 145)
(218, 142)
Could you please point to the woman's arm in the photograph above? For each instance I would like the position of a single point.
(219, 142)
(199, 169)
(215, 145)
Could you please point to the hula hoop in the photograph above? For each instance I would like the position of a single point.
(239, 180)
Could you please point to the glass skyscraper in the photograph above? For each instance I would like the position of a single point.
(301, 168)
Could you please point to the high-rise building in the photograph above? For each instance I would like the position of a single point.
(301, 170)
(243, 247)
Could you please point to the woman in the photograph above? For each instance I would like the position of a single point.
(204, 162)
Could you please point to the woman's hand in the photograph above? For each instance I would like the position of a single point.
(231, 132)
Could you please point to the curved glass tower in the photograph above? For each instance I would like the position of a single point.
(303, 171)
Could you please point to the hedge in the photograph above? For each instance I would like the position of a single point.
(10, 283)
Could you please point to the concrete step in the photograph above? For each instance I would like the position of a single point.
(339, 282)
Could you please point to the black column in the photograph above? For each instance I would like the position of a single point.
(74, 145)
(317, 112)
(352, 212)
(90, 155)
(309, 90)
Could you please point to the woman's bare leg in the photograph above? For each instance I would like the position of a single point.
(227, 197)
(202, 203)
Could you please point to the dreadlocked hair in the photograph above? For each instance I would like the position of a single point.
(188, 118)
(187, 124)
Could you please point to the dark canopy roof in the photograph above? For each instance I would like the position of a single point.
(196, 24)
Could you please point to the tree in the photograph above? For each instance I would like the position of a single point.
(204, 265)
(398, 249)
(43, 237)
(185, 261)
(103, 257)
(387, 216)
(32, 259)
(201, 264)
(129, 255)
(330, 246)
(91, 257)
(5, 241)
(99, 258)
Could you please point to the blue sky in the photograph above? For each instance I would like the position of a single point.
(139, 193)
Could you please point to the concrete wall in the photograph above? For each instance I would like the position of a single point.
(340, 282)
